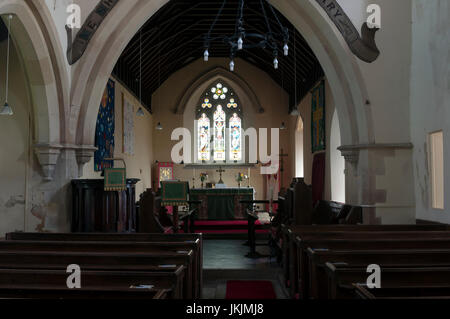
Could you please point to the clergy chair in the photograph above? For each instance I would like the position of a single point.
(175, 194)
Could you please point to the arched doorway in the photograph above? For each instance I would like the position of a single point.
(299, 166)
(337, 162)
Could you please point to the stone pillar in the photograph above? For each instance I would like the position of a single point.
(379, 177)
(51, 195)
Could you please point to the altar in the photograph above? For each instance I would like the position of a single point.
(221, 203)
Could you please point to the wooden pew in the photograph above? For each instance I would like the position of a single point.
(302, 274)
(85, 294)
(333, 231)
(194, 239)
(318, 284)
(30, 283)
(161, 253)
(341, 277)
(415, 292)
(289, 232)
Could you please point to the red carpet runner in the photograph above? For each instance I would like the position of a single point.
(247, 289)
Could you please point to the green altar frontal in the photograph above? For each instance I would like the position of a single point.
(222, 203)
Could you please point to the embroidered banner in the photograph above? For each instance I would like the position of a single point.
(174, 193)
(128, 126)
(318, 118)
(115, 179)
(105, 130)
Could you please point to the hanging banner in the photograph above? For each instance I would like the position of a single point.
(318, 118)
(105, 130)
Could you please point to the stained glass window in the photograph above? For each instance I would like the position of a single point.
(219, 134)
(204, 152)
(219, 92)
(219, 125)
(235, 138)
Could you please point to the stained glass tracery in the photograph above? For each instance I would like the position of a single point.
(219, 134)
(235, 138)
(204, 151)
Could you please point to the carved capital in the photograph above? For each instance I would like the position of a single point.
(48, 155)
(350, 154)
(84, 154)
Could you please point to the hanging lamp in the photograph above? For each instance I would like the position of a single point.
(7, 110)
(140, 111)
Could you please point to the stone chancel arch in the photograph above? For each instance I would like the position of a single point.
(375, 108)
(338, 62)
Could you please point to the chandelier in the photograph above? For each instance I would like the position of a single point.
(241, 39)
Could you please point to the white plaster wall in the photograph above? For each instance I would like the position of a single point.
(58, 11)
(430, 98)
(387, 79)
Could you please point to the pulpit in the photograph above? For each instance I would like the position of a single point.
(97, 210)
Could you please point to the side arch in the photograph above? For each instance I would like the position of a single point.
(43, 78)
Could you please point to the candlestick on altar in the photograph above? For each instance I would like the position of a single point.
(220, 171)
(248, 175)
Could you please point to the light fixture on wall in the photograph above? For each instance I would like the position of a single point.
(283, 126)
(159, 127)
(140, 111)
(237, 42)
(7, 110)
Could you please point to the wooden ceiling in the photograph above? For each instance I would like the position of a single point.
(174, 37)
(3, 31)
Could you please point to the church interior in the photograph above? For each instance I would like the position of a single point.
(241, 149)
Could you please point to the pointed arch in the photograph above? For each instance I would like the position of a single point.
(213, 75)
(47, 79)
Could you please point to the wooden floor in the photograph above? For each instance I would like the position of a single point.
(225, 260)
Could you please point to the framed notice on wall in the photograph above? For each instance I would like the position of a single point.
(318, 136)
(128, 126)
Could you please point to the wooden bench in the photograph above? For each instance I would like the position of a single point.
(85, 294)
(30, 283)
(192, 241)
(302, 274)
(414, 292)
(342, 277)
(318, 284)
(290, 234)
(156, 253)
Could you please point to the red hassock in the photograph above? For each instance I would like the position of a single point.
(250, 289)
